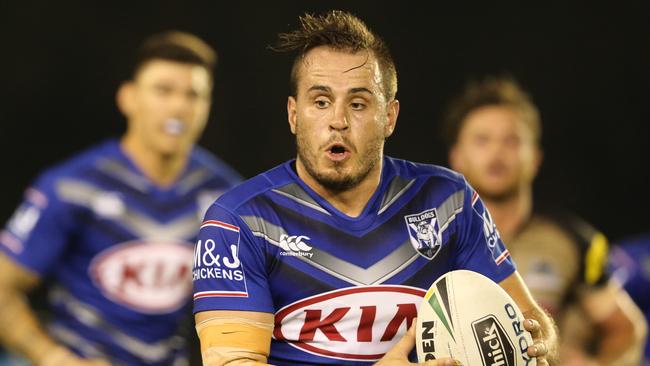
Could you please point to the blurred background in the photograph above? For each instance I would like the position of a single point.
(586, 65)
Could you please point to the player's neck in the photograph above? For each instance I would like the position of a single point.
(162, 170)
(350, 202)
(512, 213)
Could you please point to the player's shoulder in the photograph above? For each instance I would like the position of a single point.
(245, 193)
(78, 165)
(591, 244)
(639, 240)
(431, 172)
(578, 229)
(216, 166)
(635, 246)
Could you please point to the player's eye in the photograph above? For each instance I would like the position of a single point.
(481, 139)
(357, 106)
(192, 95)
(513, 141)
(163, 89)
(321, 103)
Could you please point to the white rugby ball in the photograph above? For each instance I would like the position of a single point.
(467, 316)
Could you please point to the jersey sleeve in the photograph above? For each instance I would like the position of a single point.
(479, 246)
(38, 232)
(229, 270)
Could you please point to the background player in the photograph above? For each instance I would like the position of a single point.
(326, 252)
(494, 134)
(112, 228)
(630, 261)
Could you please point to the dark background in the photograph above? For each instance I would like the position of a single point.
(585, 65)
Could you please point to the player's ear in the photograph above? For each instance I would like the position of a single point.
(125, 98)
(455, 161)
(538, 157)
(391, 121)
(291, 114)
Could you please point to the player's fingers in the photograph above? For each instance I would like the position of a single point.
(405, 344)
(538, 349)
(534, 328)
(442, 362)
(403, 347)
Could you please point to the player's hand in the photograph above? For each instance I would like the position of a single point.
(539, 348)
(398, 355)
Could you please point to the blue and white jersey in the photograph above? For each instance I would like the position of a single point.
(630, 261)
(117, 250)
(342, 289)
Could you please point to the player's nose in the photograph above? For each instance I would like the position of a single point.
(339, 120)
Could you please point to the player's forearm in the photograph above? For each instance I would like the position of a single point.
(22, 332)
(223, 356)
(621, 342)
(549, 333)
(234, 341)
(622, 334)
(616, 352)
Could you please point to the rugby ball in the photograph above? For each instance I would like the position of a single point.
(467, 316)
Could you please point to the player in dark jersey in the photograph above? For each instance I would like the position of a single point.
(323, 260)
(112, 230)
(494, 133)
(630, 263)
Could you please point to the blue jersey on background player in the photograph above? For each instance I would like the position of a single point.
(343, 289)
(117, 249)
(110, 232)
(630, 261)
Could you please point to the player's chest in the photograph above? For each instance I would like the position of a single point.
(329, 254)
(110, 216)
(348, 302)
(135, 254)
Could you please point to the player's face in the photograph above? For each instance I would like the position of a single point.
(496, 152)
(167, 105)
(340, 117)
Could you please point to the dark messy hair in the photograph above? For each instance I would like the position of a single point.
(490, 91)
(341, 31)
(175, 46)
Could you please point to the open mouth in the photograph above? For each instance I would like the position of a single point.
(337, 149)
(174, 126)
(497, 169)
(338, 152)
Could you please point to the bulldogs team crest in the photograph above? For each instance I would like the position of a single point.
(424, 232)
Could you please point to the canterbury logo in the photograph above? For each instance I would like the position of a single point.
(294, 245)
